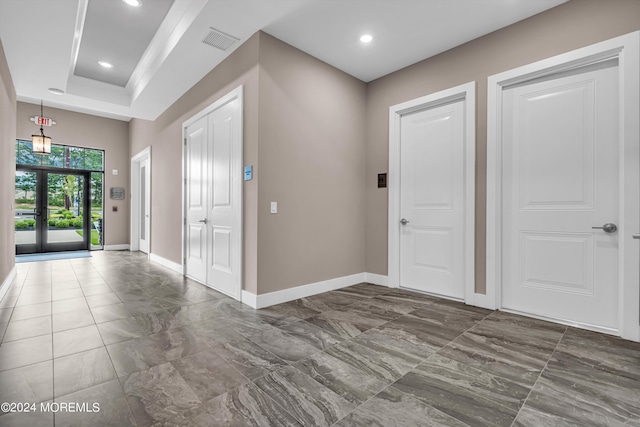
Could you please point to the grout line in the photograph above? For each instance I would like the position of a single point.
(539, 375)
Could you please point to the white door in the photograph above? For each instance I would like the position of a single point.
(196, 200)
(560, 179)
(145, 209)
(432, 200)
(225, 199)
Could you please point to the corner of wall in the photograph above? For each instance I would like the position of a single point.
(8, 107)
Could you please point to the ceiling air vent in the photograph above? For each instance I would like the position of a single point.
(220, 40)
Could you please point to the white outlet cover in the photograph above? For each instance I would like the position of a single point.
(114, 172)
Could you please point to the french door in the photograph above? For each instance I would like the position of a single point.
(213, 196)
(52, 210)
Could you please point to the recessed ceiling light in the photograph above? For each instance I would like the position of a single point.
(105, 64)
(134, 3)
(366, 38)
(56, 91)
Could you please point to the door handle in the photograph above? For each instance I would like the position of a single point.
(607, 228)
(404, 221)
(636, 235)
(203, 220)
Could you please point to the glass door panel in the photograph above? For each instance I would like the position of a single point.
(25, 203)
(52, 210)
(67, 212)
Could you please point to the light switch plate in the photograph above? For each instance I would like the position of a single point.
(274, 207)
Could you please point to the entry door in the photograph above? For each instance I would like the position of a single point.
(432, 157)
(145, 208)
(560, 180)
(52, 210)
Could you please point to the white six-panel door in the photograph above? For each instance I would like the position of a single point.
(560, 179)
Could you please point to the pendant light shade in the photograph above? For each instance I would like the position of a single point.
(41, 144)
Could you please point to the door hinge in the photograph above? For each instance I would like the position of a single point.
(185, 221)
(185, 141)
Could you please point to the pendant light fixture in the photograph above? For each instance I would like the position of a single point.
(41, 144)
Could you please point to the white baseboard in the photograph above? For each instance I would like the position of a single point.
(7, 282)
(376, 279)
(116, 247)
(166, 263)
(250, 299)
(286, 295)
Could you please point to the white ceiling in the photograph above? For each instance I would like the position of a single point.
(43, 41)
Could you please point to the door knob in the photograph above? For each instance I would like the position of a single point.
(607, 228)
(404, 221)
(636, 235)
(203, 220)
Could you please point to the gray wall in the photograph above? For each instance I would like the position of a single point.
(7, 168)
(572, 25)
(84, 130)
(311, 146)
(304, 136)
(316, 138)
(164, 136)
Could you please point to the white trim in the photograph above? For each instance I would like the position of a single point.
(124, 247)
(580, 325)
(286, 295)
(135, 200)
(464, 92)
(6, 284)
(376, 279)
(237, 183)
(627, 50)
(165, 263)
(483, 301)
(249, 299)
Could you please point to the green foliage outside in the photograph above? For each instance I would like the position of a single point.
(63, 190)
(94, 236)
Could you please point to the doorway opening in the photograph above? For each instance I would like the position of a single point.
(58, 199)
(141, 201)
(212, 198)
(562, 188)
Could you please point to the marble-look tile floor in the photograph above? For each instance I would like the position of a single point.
(151, 348)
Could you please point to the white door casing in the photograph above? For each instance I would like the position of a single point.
(432, 186)
(213, 195)
(145, 205)
(624, 50)
(140, 226)
(560, 179)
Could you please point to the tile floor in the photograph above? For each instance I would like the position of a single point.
(153, 349)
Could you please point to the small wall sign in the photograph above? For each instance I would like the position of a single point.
(117, 193)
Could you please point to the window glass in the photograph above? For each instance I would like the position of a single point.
(62, 156)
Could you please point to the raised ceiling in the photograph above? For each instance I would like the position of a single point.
(157, 51)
